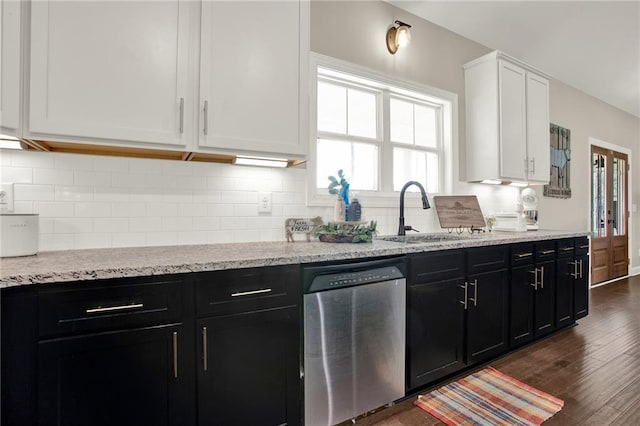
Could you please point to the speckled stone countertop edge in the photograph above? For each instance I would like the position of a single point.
(96, 264)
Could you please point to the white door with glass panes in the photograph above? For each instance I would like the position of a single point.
(253, 60)
(380, 134)
(117, 71)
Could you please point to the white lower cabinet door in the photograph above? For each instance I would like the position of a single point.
(252, 53)
(111, 70)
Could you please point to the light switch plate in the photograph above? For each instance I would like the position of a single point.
(264, 202)
(6, 197)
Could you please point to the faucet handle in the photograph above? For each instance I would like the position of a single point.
(410, 228)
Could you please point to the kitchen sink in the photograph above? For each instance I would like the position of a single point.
(426, 238)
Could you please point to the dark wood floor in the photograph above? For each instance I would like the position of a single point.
(594, 367)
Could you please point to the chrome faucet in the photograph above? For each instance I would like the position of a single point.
(425, 205)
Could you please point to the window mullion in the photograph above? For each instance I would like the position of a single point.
(385, 159)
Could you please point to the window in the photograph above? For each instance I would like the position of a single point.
(381, 132)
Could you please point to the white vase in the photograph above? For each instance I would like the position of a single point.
(338, 210)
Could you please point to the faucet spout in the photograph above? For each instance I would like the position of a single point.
(425, 205)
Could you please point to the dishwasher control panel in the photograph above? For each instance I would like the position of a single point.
(348, 279)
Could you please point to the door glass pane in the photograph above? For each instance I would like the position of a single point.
(358, 160)
(598, 195)
(362, 113)
(619, 167)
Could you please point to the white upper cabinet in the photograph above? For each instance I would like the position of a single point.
(10, 37)
(507, 120)
(253, 76)
(111, 71)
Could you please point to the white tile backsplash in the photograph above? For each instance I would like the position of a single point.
(90, 201)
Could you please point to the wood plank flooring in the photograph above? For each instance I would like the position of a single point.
(594, 367)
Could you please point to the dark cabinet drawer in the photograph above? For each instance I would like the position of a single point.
(436, 266)
(246, 290)
(522, 254)
(545, 250)
(114, 305)
(484, 259)
(581, 245)
(566, 247)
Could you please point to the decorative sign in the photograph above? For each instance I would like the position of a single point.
(459, 211)
(559, 183)
(301, 226)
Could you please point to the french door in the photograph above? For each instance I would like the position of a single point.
(609, 215)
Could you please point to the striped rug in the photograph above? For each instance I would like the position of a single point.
(489, 397)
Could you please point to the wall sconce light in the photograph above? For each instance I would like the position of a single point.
(398, 36)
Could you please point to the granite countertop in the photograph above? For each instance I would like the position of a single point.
(85, 265)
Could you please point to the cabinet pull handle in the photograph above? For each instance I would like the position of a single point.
(580, 268)
(466, 289)
(567, 249)
(575, 269)
(205, 354)
(584, 246)
(541, 277)
(247, 293)
(114, 308)
(181, 128)
(475, 293)
(535, 279)
(521, 255)
(547, 251)
(205, 129)
(175, 354)
(533, 166)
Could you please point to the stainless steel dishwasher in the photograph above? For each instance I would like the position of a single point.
(354, 339)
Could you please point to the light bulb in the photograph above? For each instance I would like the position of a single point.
(403, 36)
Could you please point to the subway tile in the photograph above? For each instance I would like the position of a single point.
(233, 223)
(192, 209)
(177, 224)
(162, 238)
(206, 223)
(92, 178)
(53, 208)
(220, 210)
(219, 182)
(74, 193)
(128, 209)
(104, 163)
(72, 225)
(25, 207)
(176, 196)
(244, 236)
(174, 168)
(245, 210)
(128, 239)
(259, 222)
(192, 237)
(219, 237)
(53, 176)
(233, 197)
(45, 226)
(92, 209)
(162, 209)
(146, 194)
(27, 192)
(111, 194)
(5, 157)
(10, 174)
(50, 242)
(144, 165)
(128, 180)
(145, 224)
(90, 241)
(191, 182)
(111, 224)
(205, 169)
(41, 160)
(73, 161)
(206, 196)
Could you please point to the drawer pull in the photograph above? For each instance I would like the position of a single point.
(175, 354)
(248, 293)
(521, 255)
(205, 354)
(585, 246)
(114, 308)
(547, 251)
(567, 249)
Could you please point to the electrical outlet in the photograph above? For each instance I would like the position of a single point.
(264, 202)
(6, 197)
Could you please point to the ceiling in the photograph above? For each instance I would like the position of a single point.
(593, 46)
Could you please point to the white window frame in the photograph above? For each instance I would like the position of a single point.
(385, 196)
